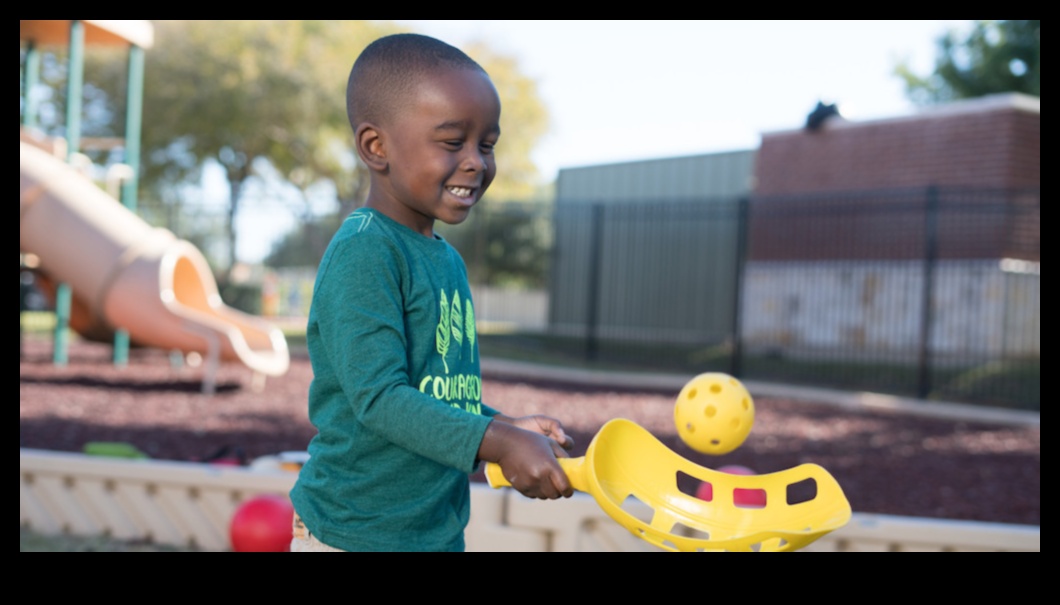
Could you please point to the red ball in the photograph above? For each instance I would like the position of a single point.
(262, 524)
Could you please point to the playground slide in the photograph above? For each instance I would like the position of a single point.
(127, 275)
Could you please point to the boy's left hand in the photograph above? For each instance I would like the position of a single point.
(543, 425)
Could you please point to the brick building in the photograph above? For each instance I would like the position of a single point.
(897, 237)
(991, 144)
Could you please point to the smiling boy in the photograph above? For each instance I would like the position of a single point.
(397, 394)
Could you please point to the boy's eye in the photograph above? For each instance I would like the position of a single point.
(453, 144)
(487, 147)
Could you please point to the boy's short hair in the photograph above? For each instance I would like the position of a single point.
(389, 68)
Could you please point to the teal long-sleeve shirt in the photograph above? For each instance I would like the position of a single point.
(396, 395)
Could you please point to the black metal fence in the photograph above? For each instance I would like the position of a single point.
(932, 293)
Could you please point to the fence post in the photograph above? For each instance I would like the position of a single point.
(743, 226)
(592, 318)
(24, 278)
(927, 312)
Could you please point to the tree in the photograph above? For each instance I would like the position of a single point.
(246, 93)
(264, 100)
(506, 241)
(524, 120)
(995, 57)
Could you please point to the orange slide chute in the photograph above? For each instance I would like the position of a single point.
(127, 275)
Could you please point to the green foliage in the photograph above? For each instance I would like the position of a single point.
(995, 57)
(33, 542)
(243, 92)
(1015, 384)
(305, 246)
(505, 244)
(524, 120)
(244, 297)
(265, 101)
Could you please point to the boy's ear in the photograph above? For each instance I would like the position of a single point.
(371, 146)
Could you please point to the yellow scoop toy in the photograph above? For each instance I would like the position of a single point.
(625, 464)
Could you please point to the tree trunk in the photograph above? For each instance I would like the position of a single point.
(236, 179)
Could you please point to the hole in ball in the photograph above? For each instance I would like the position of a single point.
(710, 411)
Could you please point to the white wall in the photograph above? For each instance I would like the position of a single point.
(875, 308)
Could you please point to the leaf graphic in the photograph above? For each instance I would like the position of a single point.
(469, 326)
(457, 324)
(442, 335)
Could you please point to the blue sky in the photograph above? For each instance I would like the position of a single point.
(628, 90)
(632, 90)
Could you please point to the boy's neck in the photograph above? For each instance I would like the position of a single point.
(402, 215)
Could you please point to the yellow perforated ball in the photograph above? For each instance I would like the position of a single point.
(714, 414)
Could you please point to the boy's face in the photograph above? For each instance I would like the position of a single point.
(439, 150)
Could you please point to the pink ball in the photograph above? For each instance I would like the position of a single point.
(735, 469)
(705, 492)
(745, 498)
(263, 524)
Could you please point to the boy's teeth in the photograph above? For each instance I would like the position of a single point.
(460, 191)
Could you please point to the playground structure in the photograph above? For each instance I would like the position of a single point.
(114, 276)
(118, 278)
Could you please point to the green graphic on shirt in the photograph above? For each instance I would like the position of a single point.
(469, 323)
(444, 331)
(456, 325)
(362, 217)
(463, 391)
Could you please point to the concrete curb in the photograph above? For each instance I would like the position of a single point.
(855, 401)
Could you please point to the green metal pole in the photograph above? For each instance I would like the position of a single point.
(133, 126)
(927, 307)
(24, 280)
(30, 80)
(74, 87)
(63, 304)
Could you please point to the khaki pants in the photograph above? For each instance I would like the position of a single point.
(304, 541)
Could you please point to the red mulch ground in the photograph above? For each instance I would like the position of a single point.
(887, 463)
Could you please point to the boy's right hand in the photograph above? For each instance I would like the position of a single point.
(528, 460)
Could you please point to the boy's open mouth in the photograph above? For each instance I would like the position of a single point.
(462, 192)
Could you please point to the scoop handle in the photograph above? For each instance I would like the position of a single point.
(572, 466)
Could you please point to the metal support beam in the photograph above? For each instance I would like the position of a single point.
(30, 81)
(129, 187)
(74, 90)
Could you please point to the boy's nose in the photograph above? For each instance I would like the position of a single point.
(476, 162)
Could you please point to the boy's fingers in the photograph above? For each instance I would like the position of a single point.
(562, 485)
(559, 449)
(561, 437)
(559, 478)
(567, 442)
(552, 428)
